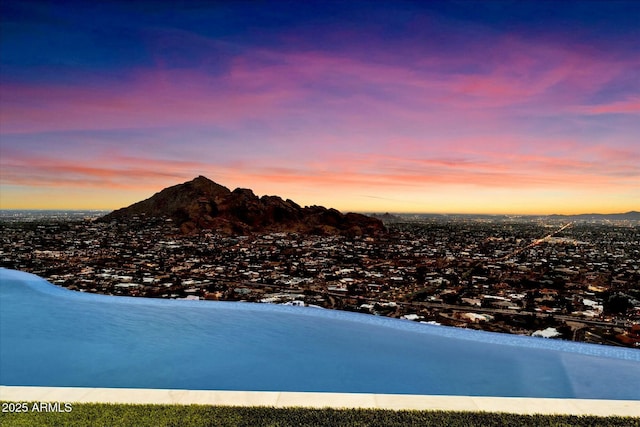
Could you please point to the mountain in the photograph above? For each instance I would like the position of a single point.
(627, 216)
(204, 204)
(386, 217)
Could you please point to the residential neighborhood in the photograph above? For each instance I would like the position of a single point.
(550, 278)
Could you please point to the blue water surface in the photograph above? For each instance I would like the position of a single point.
(50, 336)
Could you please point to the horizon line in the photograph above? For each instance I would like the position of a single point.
(363, 212)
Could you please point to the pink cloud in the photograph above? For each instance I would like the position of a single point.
(276, 86)
(150, 99)
(116, 172)
(631, 106)
(345, 173)
(491, 170)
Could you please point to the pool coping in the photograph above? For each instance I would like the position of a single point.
(514, 405)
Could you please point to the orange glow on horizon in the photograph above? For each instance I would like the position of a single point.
(446, 199)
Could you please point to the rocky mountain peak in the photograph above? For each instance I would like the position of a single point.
(204, 204)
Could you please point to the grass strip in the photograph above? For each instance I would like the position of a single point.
(105, 414)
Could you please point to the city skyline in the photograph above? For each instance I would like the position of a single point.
(443, 107)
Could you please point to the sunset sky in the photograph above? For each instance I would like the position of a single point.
(459, 107)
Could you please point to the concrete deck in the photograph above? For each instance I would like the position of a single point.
(515, 405)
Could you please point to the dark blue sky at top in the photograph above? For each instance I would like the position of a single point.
(62, 40)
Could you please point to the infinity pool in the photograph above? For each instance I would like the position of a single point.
(50, 336)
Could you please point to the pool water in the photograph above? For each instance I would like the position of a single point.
(50, 336)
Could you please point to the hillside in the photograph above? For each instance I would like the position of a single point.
(203, 204)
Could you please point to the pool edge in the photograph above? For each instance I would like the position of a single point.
(514, 405)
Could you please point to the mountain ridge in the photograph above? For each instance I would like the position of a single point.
(631, 215)
(204, 204)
